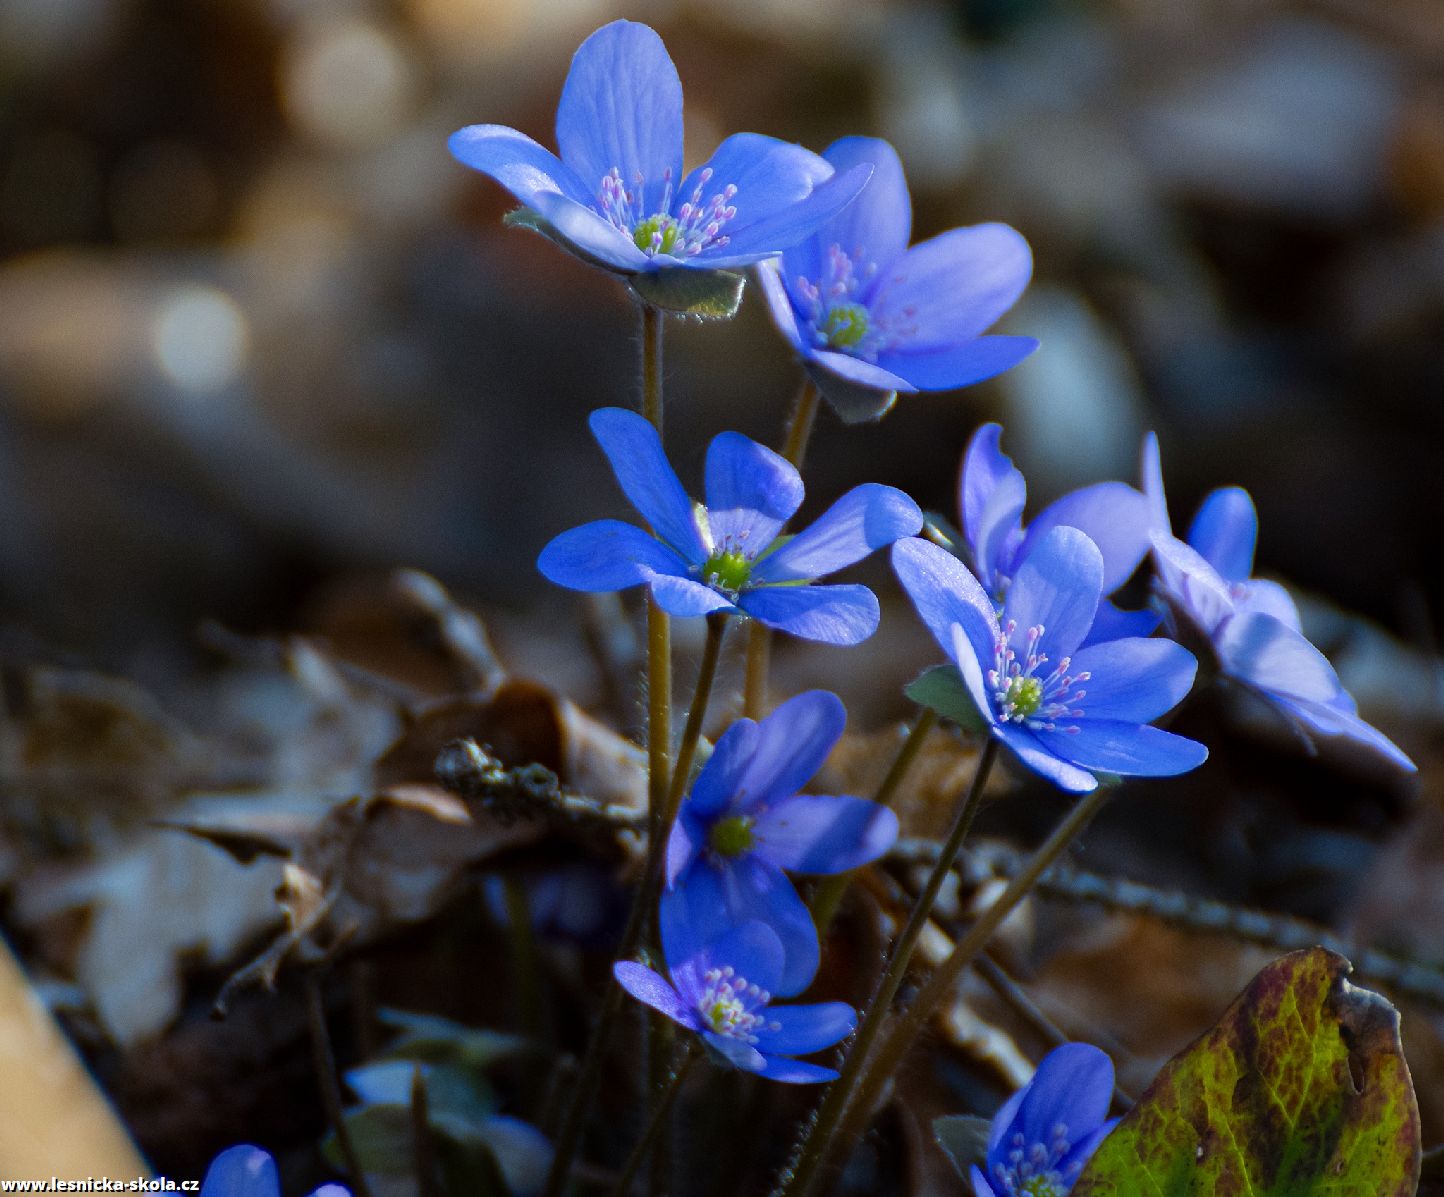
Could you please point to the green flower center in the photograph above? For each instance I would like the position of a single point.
(845, 326)
(728, 570)
(1039, 1186)
(647, 232)
(1025, 696)
(731, 836)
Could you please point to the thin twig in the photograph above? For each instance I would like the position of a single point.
(323, 1060)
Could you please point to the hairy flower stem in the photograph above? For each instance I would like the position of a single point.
(759, 637)
(660, 1109)
(643, 909)
(904, 1029)
(828, 895)
(815, 1148)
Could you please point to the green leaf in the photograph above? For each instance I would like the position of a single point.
(709, 294)
(435, 1040)
(964, 1140)
(941, 689)
(1300, 1089)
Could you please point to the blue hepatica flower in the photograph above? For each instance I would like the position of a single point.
(744, 822)
(727, 556)
(247, 1171)
(1116, 517)
(1066, 712)
(723, 991)
(1249, 625)
(1044, 1134)
(617, 196)
(870, 317)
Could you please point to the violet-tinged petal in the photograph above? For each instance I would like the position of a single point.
(875, 227)
(1191, 583)
(525, 168)
(647, 478)
(1057, 587)
(751, 493)
(779, 304)
(970, 667)
(946, 594)
(1113, 623)
(772, 232)
(684, 598)
(1004, 1119)
(1267, 598)
(1263, 652)
(1044, 762)
(855, 371)
(869, 517)
(768, 174)
(621, 108)
(751, 949)
(952, 287)
(606, 555)
(1125, 748)
(840, 615)
(1073, 1085)
(242, 1171)
(795, 1072)
(721, 777)
(1134, 680)
(991, 495)
(1330, 719)
(810, 833)
(949, 367)
(981, 1187)
(790, 746)
(590, 236)
(653, 990)
(1113, 515)
(735, 1052)
(686, 839)
(1225, 531)
(1152, 471)
(802, 1030)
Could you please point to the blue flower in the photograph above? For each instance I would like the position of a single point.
(870, 317)
(1044, 1134)
(744, 822)
(728, 556)
(1116, 517)
(1249, 625)
(723, 991)
(1066, 712)
(247, 1171)
(617, 196)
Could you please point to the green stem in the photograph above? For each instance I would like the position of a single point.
(799, 427)
(655, 1123)
(931, 996)
(815, 1148)
(526, 969)
(829, 893)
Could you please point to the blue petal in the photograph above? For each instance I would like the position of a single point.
(606, 555)
(795, 1072)
(518, 163)
(751, 493)
(654, 990)
(991, 495)
(951, 288)
(721, 777)
(1225, 531)
(839, 615)
(1336, 721)
(647, 478)
(1002, 1128)
(970, 667)
(1267, 598)
(1134, 679)
(790, 747)
(874, 229)
(945, 595)
(981, 1187)
(1043, 762)
(242, 1171)
(824, 834)
(779, 304)
(1152, 470)
(855, 371)
(1190, 583)
(1114, 516)
(754, 889)
(948, 367)
(687, 838)
(684, 598)
(802, 1030)
(590, 236)
(1072, 1086)
(1057, 587)
(735, 1052)
(1125, 748)
(621, 108)
(1258, 649)
(751, 949)
(867, 518)
(764, 230)
(1113, 623)
(768, 175)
